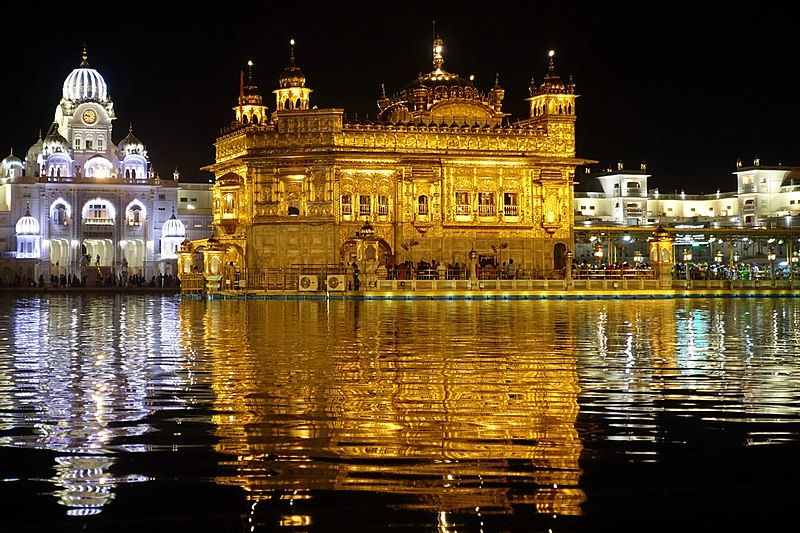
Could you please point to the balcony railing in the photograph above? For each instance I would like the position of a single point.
(363, 210)
(91, 221)
(462, 210)
(485, 210)
(511, 210)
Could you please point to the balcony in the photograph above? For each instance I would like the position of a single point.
(363, 210)
(510, 210)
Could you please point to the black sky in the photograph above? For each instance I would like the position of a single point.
(689, 89)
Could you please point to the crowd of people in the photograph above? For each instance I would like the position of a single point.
(435, 270)
(91, 277)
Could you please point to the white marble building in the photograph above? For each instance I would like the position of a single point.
(765, 196)
(78, 198)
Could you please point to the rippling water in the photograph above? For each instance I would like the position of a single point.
(140, 411)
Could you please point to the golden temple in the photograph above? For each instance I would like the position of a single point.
(440, 172)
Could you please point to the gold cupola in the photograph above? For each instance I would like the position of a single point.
(251, 108)
(292, 92)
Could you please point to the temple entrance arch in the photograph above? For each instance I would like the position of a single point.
(59, 253)
(99, 248)
(133, 253)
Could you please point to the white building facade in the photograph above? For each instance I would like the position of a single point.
(765, 196)
(78, 200)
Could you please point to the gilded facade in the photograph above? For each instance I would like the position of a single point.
(441, 171)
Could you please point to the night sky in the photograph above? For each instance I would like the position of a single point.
(689, 90)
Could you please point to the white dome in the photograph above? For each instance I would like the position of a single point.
(173, 228)
(84, 84)
(27, 225)
(11, 161)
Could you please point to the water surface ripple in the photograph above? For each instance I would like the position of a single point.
(456, 416)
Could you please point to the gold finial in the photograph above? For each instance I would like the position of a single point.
(497, 79)
(250, 72)
(438, 59)
(383, 91)
(551, 54)
(84, 56)
(291, 51)
(130, 127)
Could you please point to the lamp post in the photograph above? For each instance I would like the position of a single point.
(792, 264)
(771, 259)
(687, 256)
(598, 253)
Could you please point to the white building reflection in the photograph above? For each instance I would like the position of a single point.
(83, 371)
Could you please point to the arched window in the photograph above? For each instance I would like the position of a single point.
(60, 217)
(244, 118)
(89, 144)
(228, 204)
(100, 143)
(287, 104)
(77, 143)
(127, 173)
(422, 205)
(135, 217)
(133, 173)
(293, 211)
(255, 119)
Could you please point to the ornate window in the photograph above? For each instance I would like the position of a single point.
(364, 205)
(60, 216)
(462, 203)
(422, 205)
(347, 205)
(135, 217)
(88, 144)
(228, 205)
(486, 206)
(383, 205)
(511, 204)
(77, 143)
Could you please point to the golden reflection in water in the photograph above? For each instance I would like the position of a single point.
(467, 408)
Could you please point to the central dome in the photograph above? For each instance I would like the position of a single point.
(85, 84)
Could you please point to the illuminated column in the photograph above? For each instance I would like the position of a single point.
(661, 257)
(771, 259)
(687, 256)
(473, 267)
(568, 270)
(212, 260)
(185, 258)
(598, 253)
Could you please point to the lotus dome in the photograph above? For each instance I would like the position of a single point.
(27, 225)
(173, 228)
(85, 84)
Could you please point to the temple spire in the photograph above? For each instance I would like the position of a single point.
(552, 67)
(250, 73)
(85, 56)
(438, 58)
(291, 52)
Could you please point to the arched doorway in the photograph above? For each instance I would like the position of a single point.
(559, 256)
